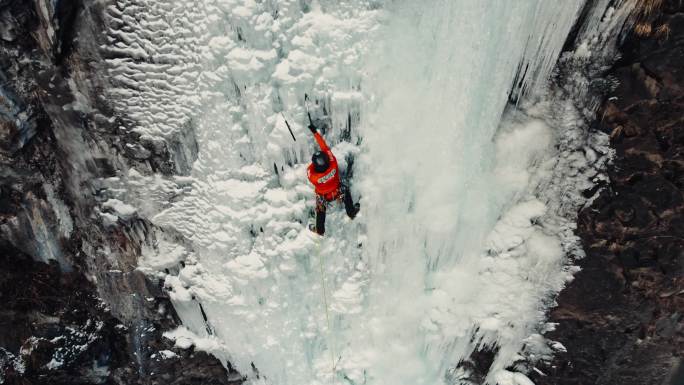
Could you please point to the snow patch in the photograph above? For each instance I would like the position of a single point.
(122, 210)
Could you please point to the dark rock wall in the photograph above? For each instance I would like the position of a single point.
(74, 308)
(621, 319)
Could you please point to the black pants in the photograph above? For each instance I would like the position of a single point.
(322, 203)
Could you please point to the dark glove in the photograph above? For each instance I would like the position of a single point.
(312, 128)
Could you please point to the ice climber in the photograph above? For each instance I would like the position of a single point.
(324, 174)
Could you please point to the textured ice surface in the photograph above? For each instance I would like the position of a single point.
(155, 64)
(467, 206)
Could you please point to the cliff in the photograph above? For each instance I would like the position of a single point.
(75, 310)
(621, 318)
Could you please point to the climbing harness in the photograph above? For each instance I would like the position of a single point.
(327, 312)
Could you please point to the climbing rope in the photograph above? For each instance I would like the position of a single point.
(327, 312)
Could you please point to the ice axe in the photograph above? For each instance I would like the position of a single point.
(288, 126)
(275, 167)
(308, 113)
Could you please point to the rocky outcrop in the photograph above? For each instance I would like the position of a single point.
(55, 330)
(622, 318)
(75, 308)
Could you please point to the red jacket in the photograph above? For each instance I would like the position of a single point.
(327, 183)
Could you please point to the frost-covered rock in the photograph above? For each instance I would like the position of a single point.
(75, 310)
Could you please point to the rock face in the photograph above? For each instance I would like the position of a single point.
(74, 308)
(621, 319)
(54, 330)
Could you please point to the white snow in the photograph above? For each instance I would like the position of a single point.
(81, 102)
(54, 364)
(165, 254)
(182, 337)
(504, 377)
(66, 225)
(166, 354)
(121, 209)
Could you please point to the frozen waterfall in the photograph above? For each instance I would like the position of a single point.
(468, 201)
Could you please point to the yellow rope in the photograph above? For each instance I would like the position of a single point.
(327, 313)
